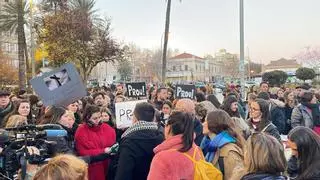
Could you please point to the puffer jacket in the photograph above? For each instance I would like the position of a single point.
(262, 176)
(278, 117)
(302, 116)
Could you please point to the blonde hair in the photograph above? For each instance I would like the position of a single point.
(66, 167)
(16, 120)
(70, 114)
(264, 154)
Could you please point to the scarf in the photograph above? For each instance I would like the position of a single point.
(140, 125)
(210, 147)
(315, 112)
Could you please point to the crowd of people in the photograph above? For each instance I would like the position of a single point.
(171, 138)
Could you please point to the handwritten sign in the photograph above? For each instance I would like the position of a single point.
(136, 89)
(185, 91)
(59, 87)
(124, 113)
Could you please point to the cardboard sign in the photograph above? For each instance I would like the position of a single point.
(138, 89)
(59, 87)
(124, 112)
(185, 91)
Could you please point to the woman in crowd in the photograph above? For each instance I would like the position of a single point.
(106, 117)
(94, 138)
(166, 109)
(16, 120)
(230, 105)
(74, 108)
(222, 144)
(202, 110)
(66, 167)
(305, 146)
(200, 97)
(307, 113)
(21, 108)
(290, 102)
(119, 98)
(259, 120)
(280, 94)
(65, 119)
(170, 94)
(213, 99)
(171, 160)
(264, 158)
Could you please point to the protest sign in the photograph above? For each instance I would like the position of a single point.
(59, 87)
(124, 112)
(185, 91)
(137, 89)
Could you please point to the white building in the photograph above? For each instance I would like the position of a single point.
(105, 73)
(187, 67)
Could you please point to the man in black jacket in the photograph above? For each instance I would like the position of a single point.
(137, 144)
(6, 105)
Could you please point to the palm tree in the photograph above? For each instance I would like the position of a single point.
(12, 19)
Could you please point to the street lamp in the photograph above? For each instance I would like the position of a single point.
(241, 66)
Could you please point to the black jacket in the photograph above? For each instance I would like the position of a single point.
(262, 176)
(197, 128)
(273, 131)
(5, 112)
(278, 117)
(288, 113)
(135, 154)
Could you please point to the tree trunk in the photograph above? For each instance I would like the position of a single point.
(165, 44)
(22, 63)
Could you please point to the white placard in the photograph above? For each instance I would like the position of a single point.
(124, 113)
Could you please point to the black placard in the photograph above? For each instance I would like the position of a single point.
(137, 89)
(185, 91)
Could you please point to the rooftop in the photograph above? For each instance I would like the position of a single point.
(186, 56)
(284, 62)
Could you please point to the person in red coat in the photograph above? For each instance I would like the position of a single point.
(94, 138)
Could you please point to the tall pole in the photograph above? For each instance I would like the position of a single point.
(165, 44)
(33, 66)
(241, 67)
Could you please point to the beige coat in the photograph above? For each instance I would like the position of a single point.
(233, 161)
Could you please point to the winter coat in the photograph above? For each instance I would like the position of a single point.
(198, 128)
(91, 141)
(302, 116)
(229, 160)
(63, 145)
(277, 115)
(169, 163)
(262, 176)
(288, 112)
(136, 153)
(158, 104)
(4, 112)
(270, 129)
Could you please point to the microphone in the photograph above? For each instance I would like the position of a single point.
(55, 133)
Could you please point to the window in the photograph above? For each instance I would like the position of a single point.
(196, 67)
(186, 67)
(174, 68)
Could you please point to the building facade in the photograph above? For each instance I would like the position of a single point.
(187, 67)
(287, 65)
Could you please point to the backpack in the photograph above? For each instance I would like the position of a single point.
(202, 169)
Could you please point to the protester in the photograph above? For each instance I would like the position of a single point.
(16, 120)
(202, 110)
(162, 95)
(290, 102)
(264, 87)
(74, 107)
(63, 167)
(101, 99)
(264, 158)
(259, 120)
(94, 138)
(307, 113)
(213, 99)
(240, 104)
(280, 94)
(277, 114)
(166, 109)
(170, 94)
(137, 143)
(106, 117)
(119, 98)
(223, 145)
(188, 106)
(171, 159)
(65, 119)
(305, 146)
(230, 105)
(21, 108)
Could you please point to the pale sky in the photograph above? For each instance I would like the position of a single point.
(273, 28)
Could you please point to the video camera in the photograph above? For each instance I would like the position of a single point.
(15, 141)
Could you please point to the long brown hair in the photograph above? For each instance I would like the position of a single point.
(290, 103)
(264, 154)
(219, 121)
(15, 111)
